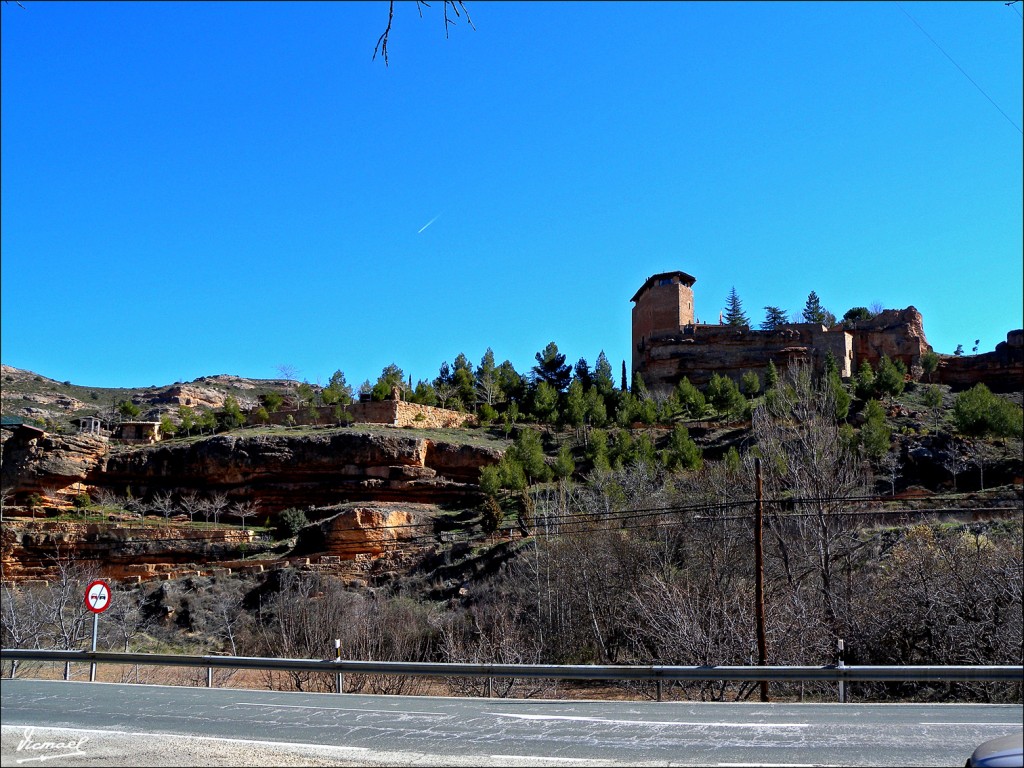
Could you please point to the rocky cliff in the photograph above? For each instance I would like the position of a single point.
(1001, 370)
(276, 468)
(38, 549)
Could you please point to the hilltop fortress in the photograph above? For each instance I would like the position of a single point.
(669, 344)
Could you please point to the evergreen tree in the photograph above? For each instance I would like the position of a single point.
(390, 377)
(597, 450)
(857, 314)
(596, 408)
(889, 377)
(337, 390)
(840, 396)
(831, 366)
(623, 388)
(875, 435)
(815, 313)
(864, 386)
(581, 372)
(575, 404)
(771, 376)
(564, 465)
(464, 381)
(510, 382)
(681, 451)
(750, 384)
(551, 367)
(691, 399)
(545, 403)
(231, 416)
(604, 380)
(725, 396)
(929, 363)
(734, 314)
(774, 317)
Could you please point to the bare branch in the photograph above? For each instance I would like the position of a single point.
(382, 41)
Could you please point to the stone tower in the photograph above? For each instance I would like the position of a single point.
(662, 306)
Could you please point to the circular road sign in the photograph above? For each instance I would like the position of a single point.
(97, 596)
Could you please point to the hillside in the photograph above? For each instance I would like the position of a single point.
(30, 396)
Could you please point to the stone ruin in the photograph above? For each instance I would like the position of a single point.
(669, 343)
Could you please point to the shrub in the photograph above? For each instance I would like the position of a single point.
(979, 412)
(290, 522)
(81, 501)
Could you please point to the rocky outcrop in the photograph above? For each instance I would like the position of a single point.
(37, 549)
(277, 470)
(35, 464)
(895, 333)
(1001, 370)
(364, 529)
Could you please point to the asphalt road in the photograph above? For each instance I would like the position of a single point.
(162, 725)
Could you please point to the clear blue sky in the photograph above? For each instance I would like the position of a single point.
(199, 188)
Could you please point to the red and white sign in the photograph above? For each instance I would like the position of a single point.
(97, 596)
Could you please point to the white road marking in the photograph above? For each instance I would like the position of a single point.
(545, 759)
(606, 721)
(989, 723)
(334, 709)
(102, 731)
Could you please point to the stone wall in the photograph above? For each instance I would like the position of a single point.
(395, 413)
(699, 351)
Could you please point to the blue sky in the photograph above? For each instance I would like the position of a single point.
(190, 189)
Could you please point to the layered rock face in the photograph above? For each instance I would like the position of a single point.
(1001, 370)
(37, 549)
(277, 470)
(365, 529)
(700, 351)
(895, 333)
(51, 462)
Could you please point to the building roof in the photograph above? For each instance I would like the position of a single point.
(684, 278)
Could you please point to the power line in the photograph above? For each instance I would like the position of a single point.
(964, 73)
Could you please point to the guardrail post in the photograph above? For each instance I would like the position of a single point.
(841, 665)
(659, 689)
(339, 683)
(490, 687)
(209, 677)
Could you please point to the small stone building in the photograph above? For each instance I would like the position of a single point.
(138, 431)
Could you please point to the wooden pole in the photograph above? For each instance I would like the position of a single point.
(762, 642)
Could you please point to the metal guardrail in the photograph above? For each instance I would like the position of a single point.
(657, 673)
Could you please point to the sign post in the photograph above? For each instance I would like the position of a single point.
(97, 600)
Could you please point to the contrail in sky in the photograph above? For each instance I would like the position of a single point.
(429, 223)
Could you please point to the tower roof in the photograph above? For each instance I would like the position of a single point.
(685, 279)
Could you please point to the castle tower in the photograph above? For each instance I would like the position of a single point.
(662, 306)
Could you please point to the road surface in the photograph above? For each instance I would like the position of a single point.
(163, 725)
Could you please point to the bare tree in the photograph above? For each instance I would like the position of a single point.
(163, 504)
(454, 5)
(807, 460)
(954, 463)
(287, 371)
(244, 509)
(191, 504)
(892, 466)
(21, 618)
(215, 506)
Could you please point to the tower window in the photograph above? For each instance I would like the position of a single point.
(665, 281)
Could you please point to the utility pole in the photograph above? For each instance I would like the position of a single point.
(762, 642)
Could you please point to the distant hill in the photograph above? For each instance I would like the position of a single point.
(28, 395)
